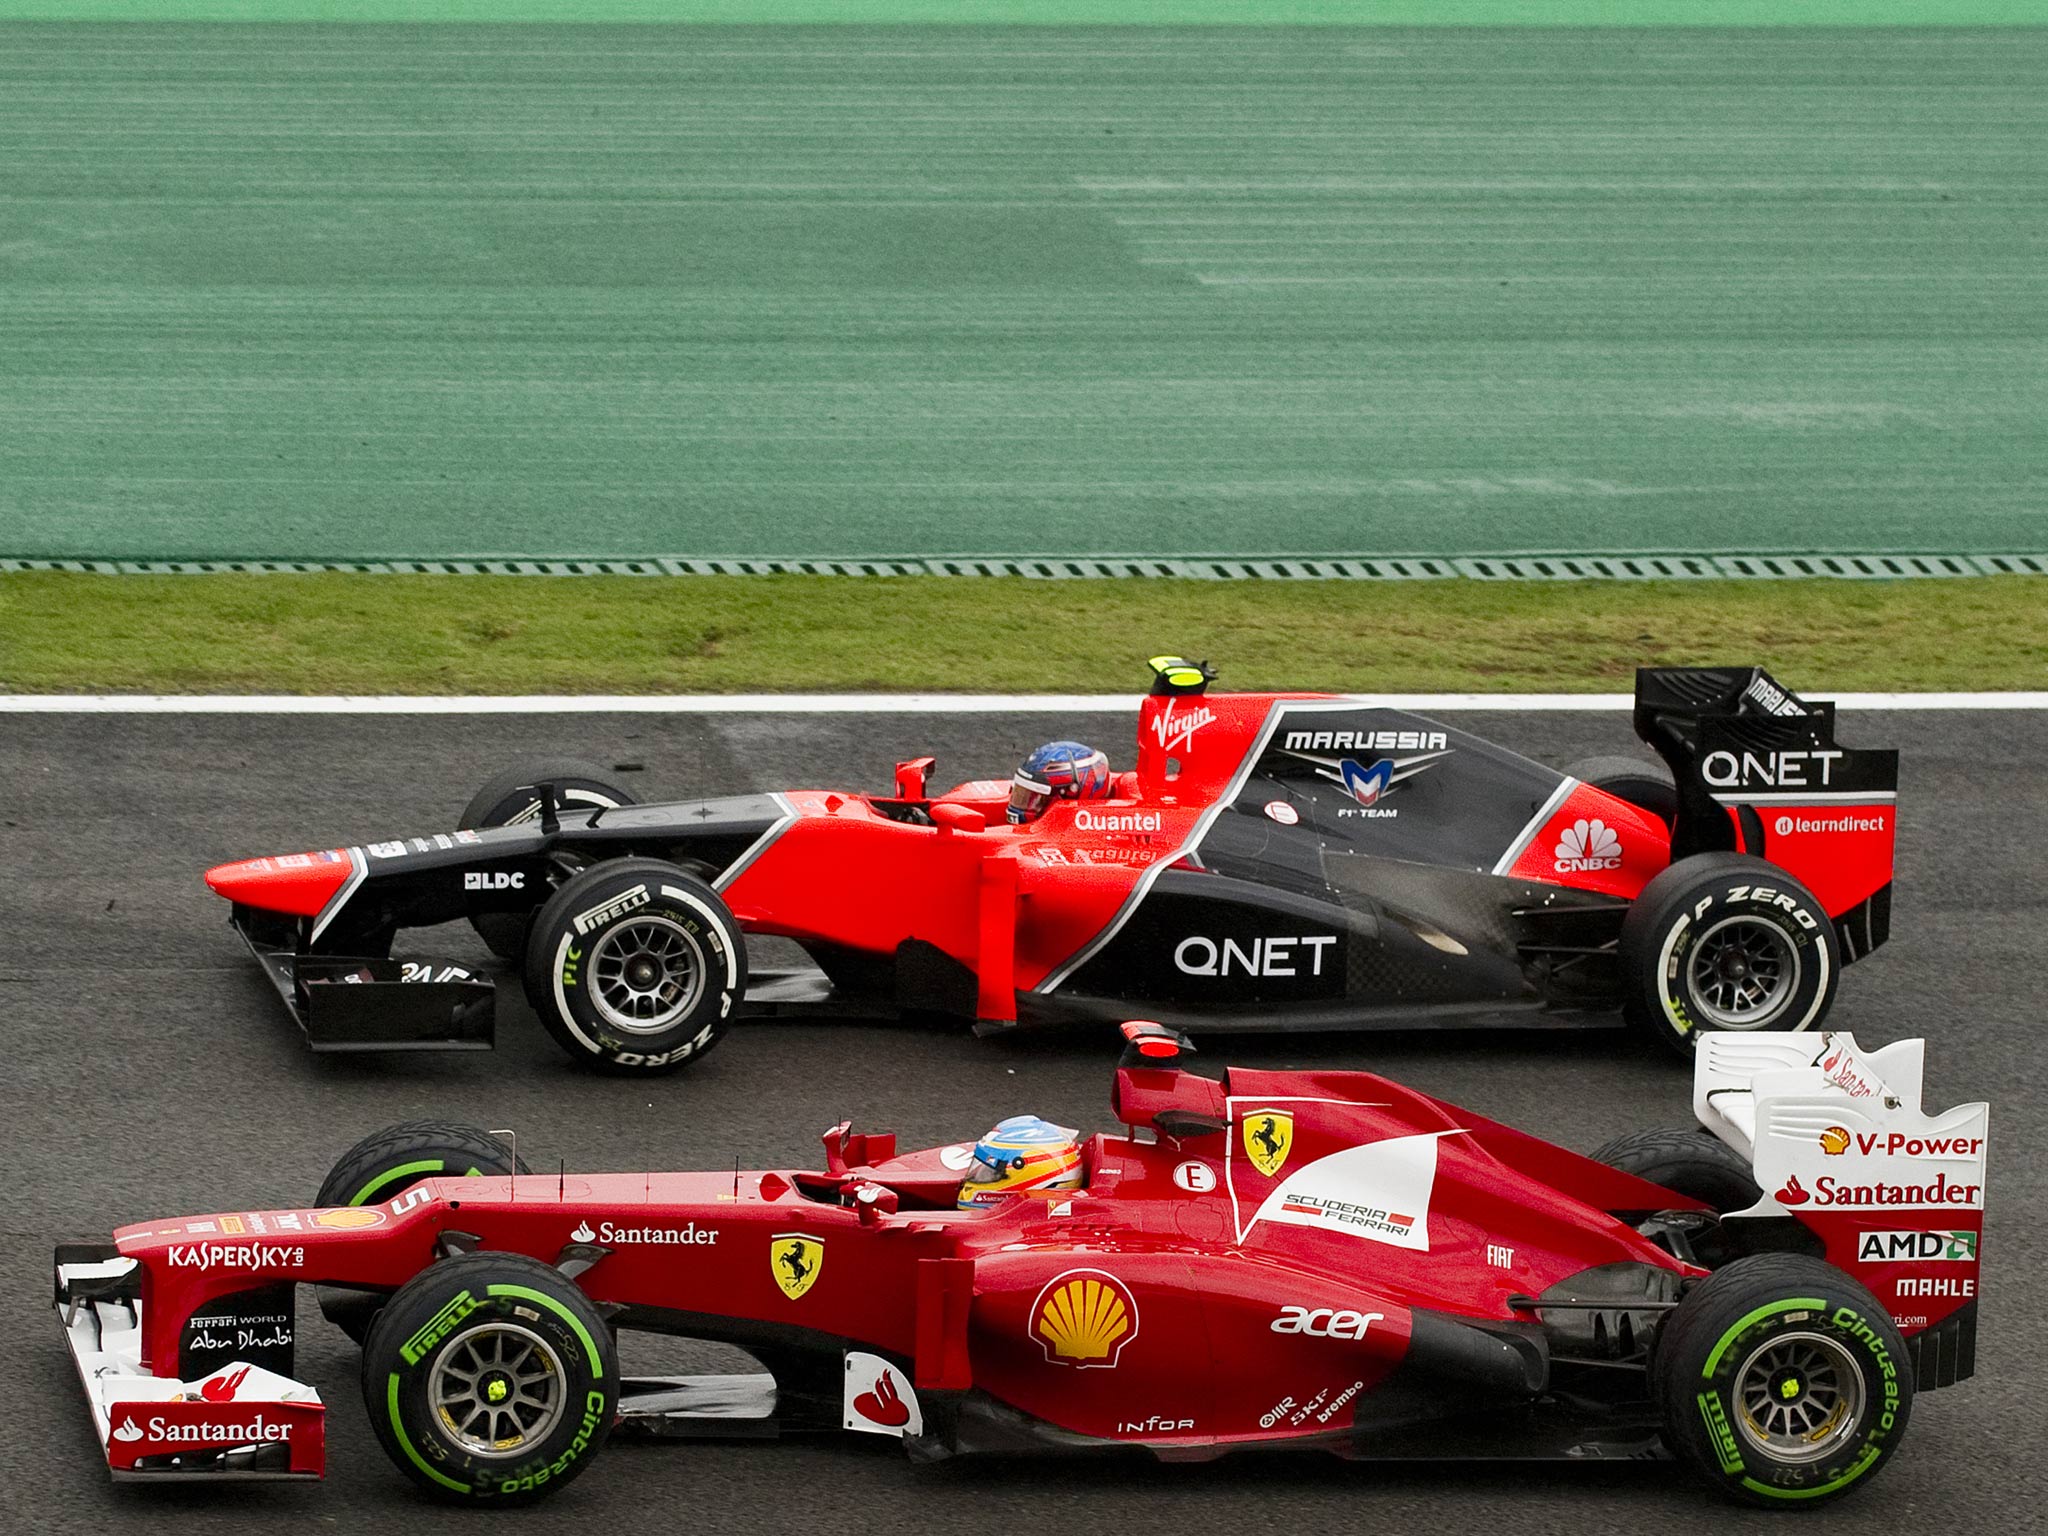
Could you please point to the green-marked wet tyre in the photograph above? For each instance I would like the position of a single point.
(490, 1378)
(385, 1164)
(1782, 1381)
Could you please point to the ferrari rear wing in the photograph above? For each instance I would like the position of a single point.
(1840, 1145)
(240, 1421)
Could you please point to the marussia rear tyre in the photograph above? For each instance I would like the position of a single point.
(635, 966)
(1781, 1381)
(1699, 1166)
(385, 1164)
(490, 1378)
(1727, 941)
(508, 798)
(1644, 785)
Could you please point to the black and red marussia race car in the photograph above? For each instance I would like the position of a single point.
(1272, 1260)
(1275, 861)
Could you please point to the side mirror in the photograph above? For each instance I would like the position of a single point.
(912, 777)
(873, 1202)
(958, 818)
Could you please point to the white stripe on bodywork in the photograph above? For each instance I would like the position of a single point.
(359, 869)
(1279, 709)
(1536, 824)
(759, 845)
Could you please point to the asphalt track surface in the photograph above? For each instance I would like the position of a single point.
(150, 1072)
(304, 292)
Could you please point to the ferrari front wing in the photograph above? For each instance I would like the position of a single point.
(240, 1422)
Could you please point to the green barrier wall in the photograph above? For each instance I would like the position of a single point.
(370, 292)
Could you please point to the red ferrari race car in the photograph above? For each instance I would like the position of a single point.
(1269, 1260)
(1274, 861)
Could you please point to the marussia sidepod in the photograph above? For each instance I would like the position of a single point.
(1275, 861)
(1269, 1260)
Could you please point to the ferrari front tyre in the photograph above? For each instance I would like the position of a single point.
(1781, 1381)
(490, 1378)
(511, 797)
(1726, 941)
(635, 966)
(385, 1164)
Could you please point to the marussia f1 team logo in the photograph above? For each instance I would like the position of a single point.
(1368, 783)
(1586, 845)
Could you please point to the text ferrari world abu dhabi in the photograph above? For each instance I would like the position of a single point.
(1265, 1260)
(1273, 861)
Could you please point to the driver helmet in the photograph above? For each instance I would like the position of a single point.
(1059, 770)
(1022, 1155)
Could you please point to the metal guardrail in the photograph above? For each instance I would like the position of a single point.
(1538, 567)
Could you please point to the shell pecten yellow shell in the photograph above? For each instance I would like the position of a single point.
(1083, 1319)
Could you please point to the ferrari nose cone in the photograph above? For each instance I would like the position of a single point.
(300, 884)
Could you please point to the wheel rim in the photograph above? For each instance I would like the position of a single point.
(497, 1390)
(1799, 1397)
(646, 973)
(1742, 973)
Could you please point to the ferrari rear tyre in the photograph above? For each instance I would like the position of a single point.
(1645, 785)
(1727, 941)
(1691, 1163)
(385, 1164)
(1782, 1381)
(636, 966)
(509, 798)
(490, 1378)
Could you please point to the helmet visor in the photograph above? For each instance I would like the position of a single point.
(1028, 800)
(993, 1168)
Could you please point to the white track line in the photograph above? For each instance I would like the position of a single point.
(857, 703)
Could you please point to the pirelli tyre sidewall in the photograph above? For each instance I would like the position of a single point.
(1781, 1381)
(497, 1331)
(609, 944)
(1701, 907)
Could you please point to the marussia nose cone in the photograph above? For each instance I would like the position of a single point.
(297, 883)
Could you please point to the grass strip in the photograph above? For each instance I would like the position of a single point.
(340, 633)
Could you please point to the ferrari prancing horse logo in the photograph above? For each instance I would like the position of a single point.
(795, 1260)
(1268, 1138)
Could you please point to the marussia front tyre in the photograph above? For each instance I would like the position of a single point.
(1781, 1381)
(490, 1378)
(635, 966)
(1727, 941)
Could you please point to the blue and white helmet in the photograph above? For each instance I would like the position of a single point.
(1059, 770)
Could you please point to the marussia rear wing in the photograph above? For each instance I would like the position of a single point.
(1759, 771)
(1839, 1144)
(241, 1420)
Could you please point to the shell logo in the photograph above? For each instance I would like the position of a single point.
(342, 1218)
(1834, 1140)
(1084, 1318)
